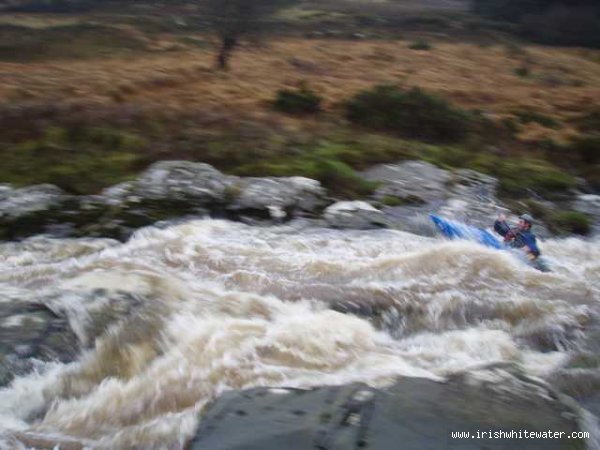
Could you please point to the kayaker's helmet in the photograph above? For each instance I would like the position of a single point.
(527, 218)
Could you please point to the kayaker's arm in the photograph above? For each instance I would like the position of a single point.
(502, 228)
(512, 236)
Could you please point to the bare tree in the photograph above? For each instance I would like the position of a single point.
(232, 20)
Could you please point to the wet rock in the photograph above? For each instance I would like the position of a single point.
(416, 412)
(58, 327)
(472, 198)
(590, 205)
(17, 202)
(92, 311)
(30, 210)
(277, 198)
(168, 190)
(356, 215)
(176, 180)
(31, 332)
(410, 180)
(414, 189)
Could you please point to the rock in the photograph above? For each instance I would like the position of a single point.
(411, 179)
(92, 311)
(178, 180)
(57, 328)
(15, 203)
(114, 195)
(32, 330)
(166, 190)
(413, 190)
(277, 198)
(418, 413)
(590, 205)
(357, 215)
(30, 210)
(472, 198)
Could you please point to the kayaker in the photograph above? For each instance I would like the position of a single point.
(520, 236)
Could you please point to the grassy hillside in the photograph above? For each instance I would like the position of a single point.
(132, 89)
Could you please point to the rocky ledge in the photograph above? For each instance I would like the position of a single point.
(414, 413)
(407, 192)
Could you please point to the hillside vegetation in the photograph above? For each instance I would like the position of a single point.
(132, 89)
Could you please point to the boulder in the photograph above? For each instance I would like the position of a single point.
(276, 198)
(590, 205)
(410, 180)
(58, 327)
(15, 203)
(32, 332)
(412, 190)
(30, 210)
(356, 215)
(414, 413)
(176, 180)
(472, 198)
(166, 190)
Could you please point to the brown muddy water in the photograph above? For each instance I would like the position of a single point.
(226, 306)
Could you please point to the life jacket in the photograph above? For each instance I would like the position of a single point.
(516, 238)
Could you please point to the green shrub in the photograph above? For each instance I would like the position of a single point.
(518, 177)
(587, 148)
(589, 122)
(446, 157)
(537, 209)
(298, 101)
(420, 44)
(522, 71)
(570, 222)
(529, 116)
(341, 179)
(392, 200)
(511, 125)
(413, 114)
(592, 176)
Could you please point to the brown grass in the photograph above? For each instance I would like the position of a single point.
(563, 82)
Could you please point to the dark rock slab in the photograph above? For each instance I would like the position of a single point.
(412, 414)
(31, 332)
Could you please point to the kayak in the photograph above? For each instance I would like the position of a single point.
(456, 230)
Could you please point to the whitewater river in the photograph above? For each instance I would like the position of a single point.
(225, 306)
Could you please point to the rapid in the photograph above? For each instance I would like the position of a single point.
(222, 305)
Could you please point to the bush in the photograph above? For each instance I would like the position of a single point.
(528, 116)
(299, 101)
(592, 176)
(420, 44)
(519, 177)
(570, 222)
(522, 71)
(589, 122)
(587, 148)
(413, 114)
(341, 179)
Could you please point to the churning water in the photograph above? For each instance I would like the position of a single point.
(223, 306)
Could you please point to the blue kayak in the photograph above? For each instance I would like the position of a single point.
(456, 230)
